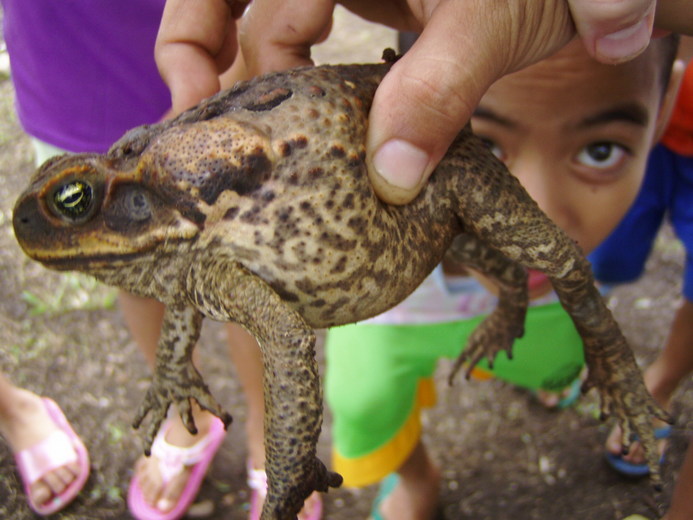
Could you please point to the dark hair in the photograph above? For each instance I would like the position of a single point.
(668, 48)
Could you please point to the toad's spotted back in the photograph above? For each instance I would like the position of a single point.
(255, 207)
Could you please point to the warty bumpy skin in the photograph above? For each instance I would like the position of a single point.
(255, 207)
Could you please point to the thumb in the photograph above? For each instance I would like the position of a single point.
(430, 93)
(614, 31)
(418, 109)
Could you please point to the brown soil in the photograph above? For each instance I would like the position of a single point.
(503, 455)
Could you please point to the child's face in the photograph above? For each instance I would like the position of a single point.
(577, 134)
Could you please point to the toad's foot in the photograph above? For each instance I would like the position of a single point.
(179, 390)
(284, 502)
(160, 489)
(624, 395)
(495, 334)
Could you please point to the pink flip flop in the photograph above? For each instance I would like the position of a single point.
(257, 481)
(58, 449)
(172, 460)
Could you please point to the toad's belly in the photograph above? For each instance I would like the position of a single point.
(337, 256)
(345, 286)
(366, 294)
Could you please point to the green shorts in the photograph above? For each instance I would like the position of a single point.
(379, 377)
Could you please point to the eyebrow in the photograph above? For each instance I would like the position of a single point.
(633, 113)
(490, 115)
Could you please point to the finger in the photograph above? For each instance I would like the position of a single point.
(429, 94)
(614, 31)
(278, 35)
(419, 107)
(675, 16)
(196, 42)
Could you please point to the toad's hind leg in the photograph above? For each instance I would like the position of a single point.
(500, 212)
(500, 328)
(293, 397)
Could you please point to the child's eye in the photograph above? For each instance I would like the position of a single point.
(493, 147)
(602, 155)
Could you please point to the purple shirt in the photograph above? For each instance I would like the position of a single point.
(84, 70)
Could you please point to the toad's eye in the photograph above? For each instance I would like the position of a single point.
(602, 155)
(74, 199)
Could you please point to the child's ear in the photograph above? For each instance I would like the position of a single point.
(669, 99)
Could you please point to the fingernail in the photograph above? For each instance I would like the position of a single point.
(400, 163)
(624, 44)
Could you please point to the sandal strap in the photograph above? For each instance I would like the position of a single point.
(663, 432)
(51, 453)
(173, 459)
(257, 480)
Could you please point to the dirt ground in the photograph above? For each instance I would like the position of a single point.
(503, 455)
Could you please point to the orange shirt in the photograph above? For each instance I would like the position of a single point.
(678, 136)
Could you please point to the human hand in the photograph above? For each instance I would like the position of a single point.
(430, 93)
(614, 31)
(197, 42)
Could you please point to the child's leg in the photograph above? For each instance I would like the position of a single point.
(676, 359)
(681, 504)
(377, 381)
(375, 386)
(663, 376)
(144, 317)
(372, 378)
(24, 422)
(247, 358)
(415, 496)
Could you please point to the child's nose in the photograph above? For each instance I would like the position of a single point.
(540, 176)
(533, 177)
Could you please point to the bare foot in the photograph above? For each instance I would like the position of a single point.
(636, 453)
(26, 425)
(157, 493)
(257, 480)
(553, 400)
(564, 398)
(415, 497)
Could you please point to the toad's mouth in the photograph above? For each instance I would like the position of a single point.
(85, 263)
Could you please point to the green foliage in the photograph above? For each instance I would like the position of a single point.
(74, 292)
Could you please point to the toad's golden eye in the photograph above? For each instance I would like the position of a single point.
(73, 199)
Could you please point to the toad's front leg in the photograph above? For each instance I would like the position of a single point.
(499, 330)
(612, 368)
(293, 398)
(496, 207)
(176, 380)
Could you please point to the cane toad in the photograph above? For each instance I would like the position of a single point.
(255, 207)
